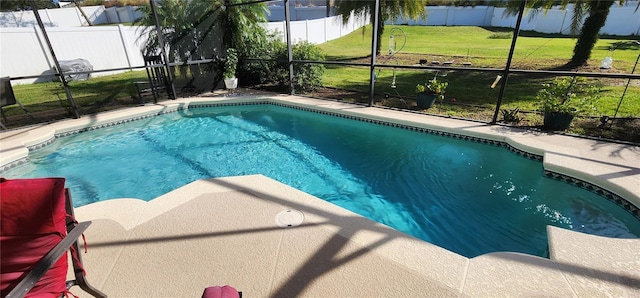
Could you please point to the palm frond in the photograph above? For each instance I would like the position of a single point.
(580, 11)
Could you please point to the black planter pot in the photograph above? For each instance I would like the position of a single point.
(557, 120)
(425, 100)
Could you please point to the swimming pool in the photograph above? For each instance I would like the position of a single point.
(471, 198)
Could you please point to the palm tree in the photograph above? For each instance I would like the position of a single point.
(242, 19)
(389, 9)
(200, 28)
(184, 25)
(596, 12)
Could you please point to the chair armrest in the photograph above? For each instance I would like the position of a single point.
(30, 280)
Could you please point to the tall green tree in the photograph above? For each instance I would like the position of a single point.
(200, 28)
(389, 10)
(595, 11)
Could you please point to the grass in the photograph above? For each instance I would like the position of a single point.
(468, 95)
(474, 88)
(94, 92)
(533, 51)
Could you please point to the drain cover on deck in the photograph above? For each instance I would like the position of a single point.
(289, 218)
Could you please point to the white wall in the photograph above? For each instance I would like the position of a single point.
(108, 47)
(452, 16)
(104, 47)
(622, 20)
(319, 30)
(23, 51)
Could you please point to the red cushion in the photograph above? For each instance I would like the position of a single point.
(32, 206)
(220, 292)
(32, 222)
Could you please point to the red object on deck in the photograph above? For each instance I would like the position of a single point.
(220, 292)
(32, 222)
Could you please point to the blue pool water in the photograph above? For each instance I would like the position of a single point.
(470, 198)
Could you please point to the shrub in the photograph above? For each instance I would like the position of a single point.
(568, 95)
(274, 67)
(307, 77)
(230, 63)
(259, 44)
(511, 116)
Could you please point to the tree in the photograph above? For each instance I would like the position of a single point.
(200, 28)
(15, 5)
(197, 29)
(389, 9)
(596, 12)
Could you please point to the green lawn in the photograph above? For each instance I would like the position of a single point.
(533, 51)
(458, 44)
(96, 92)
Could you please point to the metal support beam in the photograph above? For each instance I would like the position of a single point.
(63, 80)
(287, 19)
(505, 75)
(625, 89)
(163, 49)
(374, 47)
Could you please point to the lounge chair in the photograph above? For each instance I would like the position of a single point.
(157, 80)
(7, 98)
(37, 229)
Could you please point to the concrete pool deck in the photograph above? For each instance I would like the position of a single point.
(224, 231)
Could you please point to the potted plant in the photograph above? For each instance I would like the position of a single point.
(428, 93)
(230, 65)
(562, 99)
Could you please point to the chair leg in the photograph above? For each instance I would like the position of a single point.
(81, 281)
(76, 260)
(3, 116)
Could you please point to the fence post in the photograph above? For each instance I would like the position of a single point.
(325, 27)
(125, 44)
(306, 30)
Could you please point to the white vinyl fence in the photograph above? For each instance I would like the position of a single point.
(622, 20)
(23, 50)
(318, 30)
